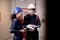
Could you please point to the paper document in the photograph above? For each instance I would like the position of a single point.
(29, 26)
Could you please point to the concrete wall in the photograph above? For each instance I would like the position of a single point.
(40, 12)
(5, 9)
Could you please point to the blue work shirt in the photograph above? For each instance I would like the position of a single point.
(15, 27)
(32, 19)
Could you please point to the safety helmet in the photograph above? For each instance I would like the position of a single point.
(31, 6)
(16, 10)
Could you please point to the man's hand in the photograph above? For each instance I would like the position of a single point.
(30, 30)
(33, 26)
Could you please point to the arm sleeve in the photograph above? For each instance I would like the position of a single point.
(38, 23)
(12, 28)
(25, 21)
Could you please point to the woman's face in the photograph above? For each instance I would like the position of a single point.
(18, 15)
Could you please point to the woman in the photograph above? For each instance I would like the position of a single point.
(17, 24)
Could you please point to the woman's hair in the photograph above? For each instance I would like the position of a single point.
(13, 16)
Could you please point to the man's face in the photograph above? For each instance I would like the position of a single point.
(30, 11)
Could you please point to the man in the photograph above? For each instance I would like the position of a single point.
(32, 22)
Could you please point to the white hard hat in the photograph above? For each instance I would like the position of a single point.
(31, 6)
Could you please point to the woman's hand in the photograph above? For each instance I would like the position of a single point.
(22, 30)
